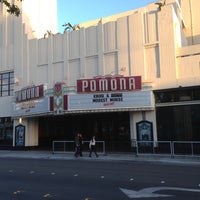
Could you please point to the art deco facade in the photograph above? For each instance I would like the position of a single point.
(131, 76)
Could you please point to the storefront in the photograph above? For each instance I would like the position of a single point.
(109, 107)
(30, 103)
(111, 78)
(111, 127)
(177, 112)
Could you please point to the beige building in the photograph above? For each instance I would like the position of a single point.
(131, 76)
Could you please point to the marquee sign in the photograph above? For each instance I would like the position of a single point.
(36, 106)
(109, 84)
(119, 100)
(29, 93)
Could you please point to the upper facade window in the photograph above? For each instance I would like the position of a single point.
(6, 84)
(177, 95)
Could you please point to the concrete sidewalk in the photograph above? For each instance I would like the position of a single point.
(108, 157)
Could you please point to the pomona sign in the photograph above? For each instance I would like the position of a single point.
(29, 93)
(109, 84)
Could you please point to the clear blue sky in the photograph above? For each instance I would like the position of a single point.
(77, 11)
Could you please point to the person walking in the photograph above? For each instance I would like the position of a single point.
(92, 146)
(80, 145)
(77, 145)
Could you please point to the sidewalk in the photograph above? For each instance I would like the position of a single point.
(108, 157)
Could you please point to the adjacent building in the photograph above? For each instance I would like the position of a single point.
(134, 76)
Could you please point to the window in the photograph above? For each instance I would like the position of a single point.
(6, 131)
(178, 95)
(6, 84)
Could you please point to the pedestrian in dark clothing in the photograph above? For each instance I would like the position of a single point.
(77, 146)
(92, 146)
(81, 145)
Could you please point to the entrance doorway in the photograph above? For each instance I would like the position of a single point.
(113, 128)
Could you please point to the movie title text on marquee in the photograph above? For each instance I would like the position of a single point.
(109, 84)
(107, 98)
(29, 93)
(30, 107)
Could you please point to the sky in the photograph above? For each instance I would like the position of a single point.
(78, 11)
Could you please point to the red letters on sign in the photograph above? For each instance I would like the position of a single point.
(29, 93)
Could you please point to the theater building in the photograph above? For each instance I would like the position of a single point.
(133, 76)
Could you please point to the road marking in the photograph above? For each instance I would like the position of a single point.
(149, 192)
(162, 182)
(47, 195)
(17, 192)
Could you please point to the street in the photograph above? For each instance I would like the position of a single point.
(35, 179)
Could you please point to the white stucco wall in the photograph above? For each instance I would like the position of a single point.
(6, 106)
(143, 43)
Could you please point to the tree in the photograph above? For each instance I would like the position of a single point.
(48, 33)
(69, 27)
(160, 4)
(11, 8)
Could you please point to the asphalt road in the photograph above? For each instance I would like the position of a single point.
(35, 179)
